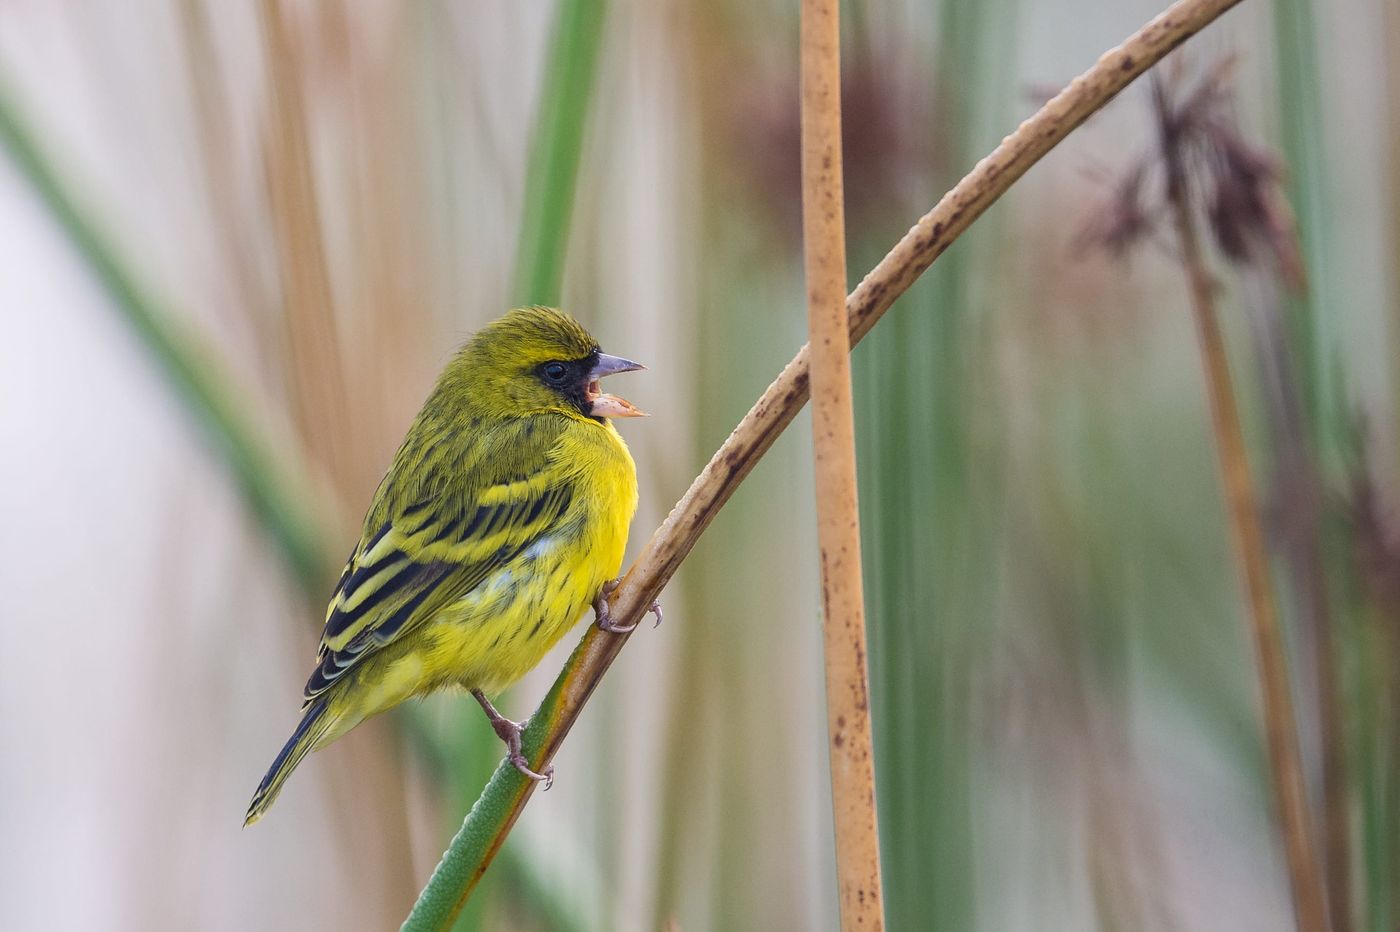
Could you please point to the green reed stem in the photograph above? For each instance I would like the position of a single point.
(556, 149)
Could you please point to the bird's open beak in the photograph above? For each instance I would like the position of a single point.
(604, 405)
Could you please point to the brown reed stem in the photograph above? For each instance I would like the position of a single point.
(1242, 507)
(490, 820)
(834, 455)
(1297, 498)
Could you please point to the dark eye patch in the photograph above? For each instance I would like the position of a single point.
(569, 378)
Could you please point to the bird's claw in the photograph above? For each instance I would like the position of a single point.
(605, 624)
(509, 732)
(518, 761)
(602, 611)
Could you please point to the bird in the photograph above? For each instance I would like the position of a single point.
(502, 518)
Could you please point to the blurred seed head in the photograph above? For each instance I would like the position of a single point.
(1248, 215)
(1126, 219)
(882, 148)
(1236, 185)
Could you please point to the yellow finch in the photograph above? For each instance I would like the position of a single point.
(503, 516)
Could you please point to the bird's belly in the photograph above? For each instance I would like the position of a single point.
(495, 634)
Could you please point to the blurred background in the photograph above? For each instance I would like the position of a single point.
(241, 239)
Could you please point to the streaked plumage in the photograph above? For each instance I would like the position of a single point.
(504, 512)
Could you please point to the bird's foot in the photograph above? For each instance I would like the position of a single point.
(602, 612)
(509, 732)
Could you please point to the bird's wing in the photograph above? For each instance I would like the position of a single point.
(430, 539)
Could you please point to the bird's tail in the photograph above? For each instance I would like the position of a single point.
(313, 726)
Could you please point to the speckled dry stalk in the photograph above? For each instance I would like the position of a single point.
(851, 751)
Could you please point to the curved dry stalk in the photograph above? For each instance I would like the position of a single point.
(851, 753)
(501, 802)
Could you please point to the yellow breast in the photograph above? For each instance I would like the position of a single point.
(501, 629)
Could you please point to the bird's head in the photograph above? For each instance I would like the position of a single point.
(537, 360)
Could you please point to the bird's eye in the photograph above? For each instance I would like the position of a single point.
(555, 371)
